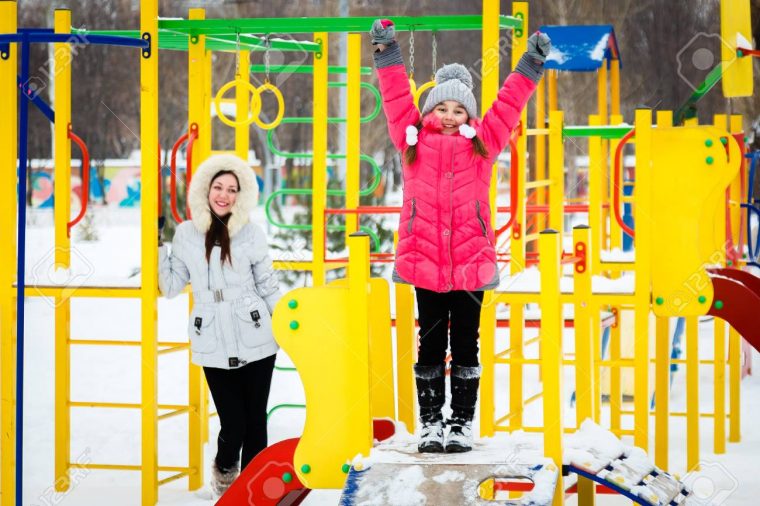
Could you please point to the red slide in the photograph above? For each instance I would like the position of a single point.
(737, 300)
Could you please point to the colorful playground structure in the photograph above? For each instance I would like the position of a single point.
(621, 369)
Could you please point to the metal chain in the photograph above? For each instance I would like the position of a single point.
(411, 50)
(237, 54)
(266, 57)
(435, 56)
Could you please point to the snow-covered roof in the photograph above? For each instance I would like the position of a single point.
(581, 48)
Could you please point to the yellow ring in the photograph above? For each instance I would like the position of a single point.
(255, 103)
(419, 91)
(280, 106)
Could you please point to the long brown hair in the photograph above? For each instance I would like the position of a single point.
(217, 233)
(410, 154)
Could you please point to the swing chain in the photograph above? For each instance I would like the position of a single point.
(237, 54)
(411, 50)
(435, 56)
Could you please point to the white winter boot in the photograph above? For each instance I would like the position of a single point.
(222, 479)
(431, 388)
(464, 396)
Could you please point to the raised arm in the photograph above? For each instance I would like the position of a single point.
(504, 114)
(398, 102)
(173, 274)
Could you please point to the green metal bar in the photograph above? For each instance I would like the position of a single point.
(284, 369)
(282, 406)
(605, 132)
(304, 69)
(689, 108)
(330, 25)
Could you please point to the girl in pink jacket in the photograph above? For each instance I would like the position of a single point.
(446, 243)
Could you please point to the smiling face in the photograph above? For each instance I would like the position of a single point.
(452, 114)
(223, 193)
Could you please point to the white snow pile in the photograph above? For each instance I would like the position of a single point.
(597, 53)
(592, 448)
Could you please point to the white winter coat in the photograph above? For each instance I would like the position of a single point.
(230, 324)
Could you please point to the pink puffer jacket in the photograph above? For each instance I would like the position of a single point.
(445, 237)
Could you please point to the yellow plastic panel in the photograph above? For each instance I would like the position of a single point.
(690, 173)
(322, 350)
(381, 390)
(736, 31)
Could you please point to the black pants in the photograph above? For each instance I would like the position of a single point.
(241, 397)
(436, 311)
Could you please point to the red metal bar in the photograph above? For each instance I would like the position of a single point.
(513, 189)
(85, 193)
(544, 208)
(188, 169)
(365, 210)
(617, 186)
(748, 52)
(173, 177)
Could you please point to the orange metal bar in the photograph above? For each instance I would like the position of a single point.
(85, 180)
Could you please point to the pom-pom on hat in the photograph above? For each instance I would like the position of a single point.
(453, 82)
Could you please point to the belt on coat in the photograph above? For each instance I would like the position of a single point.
(222, 294)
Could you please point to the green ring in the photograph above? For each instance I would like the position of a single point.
(294, 325)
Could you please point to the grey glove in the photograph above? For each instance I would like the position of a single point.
(539, 45)
(531, 64)
(382, 32)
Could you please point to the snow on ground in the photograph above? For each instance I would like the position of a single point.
(113, 374)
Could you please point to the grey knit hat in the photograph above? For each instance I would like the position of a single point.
(453, 82)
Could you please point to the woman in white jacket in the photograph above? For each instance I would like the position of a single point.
(225, 258)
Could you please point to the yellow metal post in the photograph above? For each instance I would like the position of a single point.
(720, 386)
(662, 392)
(556, 171)
(602, 104)
(517, 248)
(551, 351)
(353, 131)
(614, 89)
(62, 199)
(642, 288)
(616, 391)
(489, 90)
(406, 351)
(595, 197)
(149, 254)
(692, 393)
(585, 366)
(516, 376)
(8, 215)
(198, 114)
(319, 163)
(616, 232)
(735, 377)
(540, 143)
(242, 104)
(552, 76)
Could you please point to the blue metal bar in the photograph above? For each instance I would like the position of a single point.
(48, 38)
(20, 280)
(36, 100)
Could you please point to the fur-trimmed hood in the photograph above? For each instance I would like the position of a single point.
(199, 188)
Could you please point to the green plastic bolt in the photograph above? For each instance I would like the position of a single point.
(345, 468)
(709, 160)
(730, 263)
(724, 140)
(306, 469)
(708, 142)
(294, 325)
(292, 303)
(287, 477)
(659, 301)
(718, 304)
(739, 53)
(702, 299)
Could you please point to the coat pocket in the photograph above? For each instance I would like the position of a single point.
(254, 324)
(202, 331)
(412, 215)
(481, 221)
